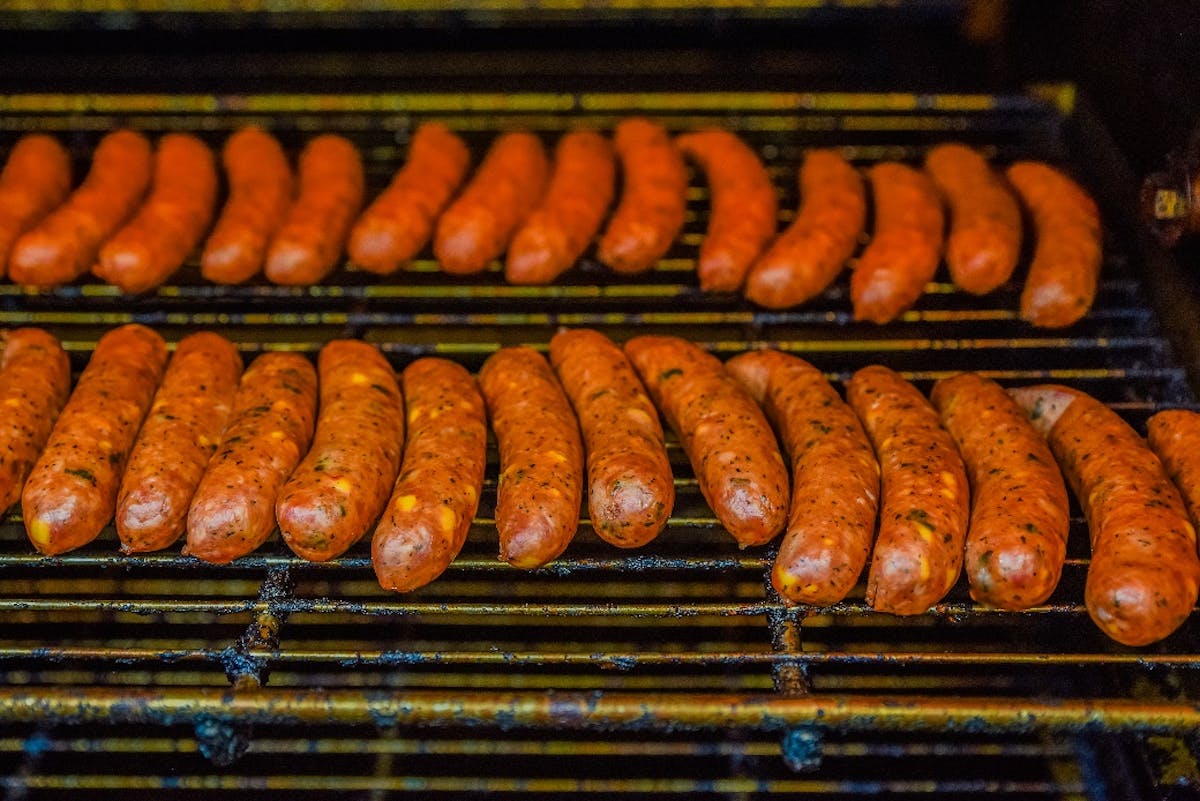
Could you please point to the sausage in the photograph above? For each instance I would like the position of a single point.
(397, 225)
(35, 180)
(338, 491)
(835, 479)
(169, 225)
(1144, 574)
(811, 252)
(437, 493)
(743, 207)
(1065, 269)
(35, 379)
(905, 246)
(569, 215)
(177, 439)
(541, 457)
(306, 247)
(985, 220)
(503, 192)
(64, 245)
(1175, 436)
(72, 491)
(260, 193)
(727, 439)
(631, 491)
(653, 200)
(923, 521)
(1020, 517)
(269, 430)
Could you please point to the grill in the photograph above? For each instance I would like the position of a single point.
(674, 668)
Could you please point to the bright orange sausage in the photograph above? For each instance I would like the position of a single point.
(36, 179)
(35, 378)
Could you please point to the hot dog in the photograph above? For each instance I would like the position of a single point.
(36, 178)
(35, 379)
(1175, 436)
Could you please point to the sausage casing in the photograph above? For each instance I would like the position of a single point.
(35, 379)
(1175, 436)
(36, 178)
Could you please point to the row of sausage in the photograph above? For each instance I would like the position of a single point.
(139, 214)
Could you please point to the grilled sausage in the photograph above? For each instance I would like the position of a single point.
(1017, 540)
(541, 457)
(811, 252)
(835, 479)
(985, 221)
(630, 487)
(1066, 259)
(233, 510)
(504, 190)
(743, 207)
(1144, 574)
(903, 254)
(306, 248)
(728, 441)
(923, 522)
(36, 178)
(169, 225)
(260, 192)
(63, 246)
(399, 222)
(72, 491)
(338, 491)
(1175, 436)
(177, 439)
(35, 378)
(568, 217)
(653, 200)
(437, 493)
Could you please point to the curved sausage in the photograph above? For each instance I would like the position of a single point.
(64, 245)
(631, 491)
(1175, 436)
(399, 222)
(35, 379)
(835, 479)
(72, 491)
(338, 491)
(923, 521)
(743, 207)
(811, 252)
(260, 193)
(1066, 259)
(905, 246)
(1144, 575)
(307, 246)
(985, 220)
(503, 192)
(169, 225)
(177, 439)
(233, 510)
(35, 180)
(653, 201)
(541, 457)
(570, 213)
(727, 439)
(1020, 517)
(437, 493)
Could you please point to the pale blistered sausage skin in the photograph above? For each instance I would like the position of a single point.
(35, 180)
(35, 379)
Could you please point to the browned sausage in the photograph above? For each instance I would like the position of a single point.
(178, 437)
(569, 215)
(269, 430)
(653, 200)
(36, 178)
(72, 491)
(1017, 540)
(338, 491)
(923, 521)
(905, 245)
(541, 457)
(732, 450)
(812, 251)
(1175, 436)
(35, 378)
(1066, 259)
(437, 493)
(630, 487)
(1144, 575)
(743, 207)
(835, 479)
